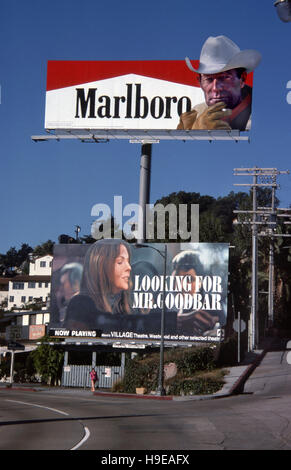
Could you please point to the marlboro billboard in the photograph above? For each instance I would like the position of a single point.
(213, 93)
(118, 95)
(115, 290)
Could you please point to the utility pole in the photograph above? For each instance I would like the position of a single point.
(261, 216)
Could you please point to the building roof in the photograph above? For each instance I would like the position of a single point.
(13, 314)
(27, 278)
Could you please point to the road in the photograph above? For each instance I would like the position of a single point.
(257, 419)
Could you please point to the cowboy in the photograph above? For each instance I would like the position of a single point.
(193, 320)
(222, 76)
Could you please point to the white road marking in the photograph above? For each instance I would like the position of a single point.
(39, 406)
(87, 432)
(87, 435)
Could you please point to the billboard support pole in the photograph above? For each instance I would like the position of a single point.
(144, 189)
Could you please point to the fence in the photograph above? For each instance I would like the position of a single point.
(78, 376)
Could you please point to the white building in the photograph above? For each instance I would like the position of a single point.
(41, 266)
(26, 289)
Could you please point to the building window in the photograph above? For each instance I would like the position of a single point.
(23, 299)
(46, 284)
(46, 318)
(30, 298)
(42, 264)
(32, 319)
(11, 298)
(40, 284)
(18, 285)
(31, 285)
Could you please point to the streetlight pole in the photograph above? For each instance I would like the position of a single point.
(77, 231)
(254, 319)
(161, 389)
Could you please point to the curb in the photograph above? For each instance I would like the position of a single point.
(12, 387)
(133, 395)
(240, 382)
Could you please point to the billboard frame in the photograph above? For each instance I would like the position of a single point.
(142, 136)
(133, 334)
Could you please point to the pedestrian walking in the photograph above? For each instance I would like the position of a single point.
(94, 378)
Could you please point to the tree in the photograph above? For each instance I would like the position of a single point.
(45, 248)
(64, 238)
(48, 361)
(15, 259)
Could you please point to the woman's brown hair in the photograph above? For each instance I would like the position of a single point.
(98, 274)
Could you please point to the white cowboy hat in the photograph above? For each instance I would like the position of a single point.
(220, 53)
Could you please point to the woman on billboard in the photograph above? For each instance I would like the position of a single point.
(105, 286)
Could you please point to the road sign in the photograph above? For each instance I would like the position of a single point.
(13, 346)
(235, 325)
(15, 332)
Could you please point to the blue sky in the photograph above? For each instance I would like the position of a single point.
(49, 187)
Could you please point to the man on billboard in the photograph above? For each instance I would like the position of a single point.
(222, 73)
(69, 285)
(192, 321)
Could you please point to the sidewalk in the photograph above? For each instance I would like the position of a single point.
(234, 380)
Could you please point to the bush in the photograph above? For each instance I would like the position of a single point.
(194, 359)
(141, 373)
(144, 372)
(195, 386)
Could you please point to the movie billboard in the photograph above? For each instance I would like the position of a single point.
(213, 93)
(115, 290)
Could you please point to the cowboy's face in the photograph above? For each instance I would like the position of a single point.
(194, 284)
(223, 86)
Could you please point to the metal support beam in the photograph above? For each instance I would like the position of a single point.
(144, 189)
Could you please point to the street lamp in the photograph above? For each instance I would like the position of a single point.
(283, 8)
(161, 389)
(77, 231)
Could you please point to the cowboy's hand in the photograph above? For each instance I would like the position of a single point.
(211, 118)
(187, 120)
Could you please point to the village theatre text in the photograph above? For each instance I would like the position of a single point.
(176, 290)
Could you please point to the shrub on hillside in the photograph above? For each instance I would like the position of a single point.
(145, 372)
